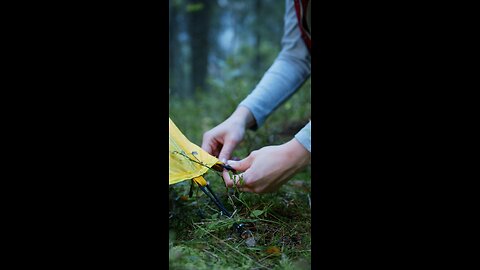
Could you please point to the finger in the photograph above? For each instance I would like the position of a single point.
(241, 165)
(239, 179)
(206, 146)
(215, 152)
(226, 178)
(227, 150)
(208, 143)
(211, 147)
(234, 180)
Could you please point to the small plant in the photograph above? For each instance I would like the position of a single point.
(257, 213)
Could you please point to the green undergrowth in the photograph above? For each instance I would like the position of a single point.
(202, 238)
(280, 222)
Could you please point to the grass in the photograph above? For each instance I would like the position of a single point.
(201, 238)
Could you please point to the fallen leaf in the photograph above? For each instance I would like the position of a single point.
(273, 250)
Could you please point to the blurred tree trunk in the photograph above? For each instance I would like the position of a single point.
(199, 31)
(177, 64)
(258, 34)
(172, 46)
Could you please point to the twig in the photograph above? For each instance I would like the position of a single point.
(243, 202)
(211, 253)
(266, 220)
(198, 162)
(282, 222)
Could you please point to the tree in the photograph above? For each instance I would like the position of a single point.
(199, 17)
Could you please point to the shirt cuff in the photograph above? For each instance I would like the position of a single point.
(304, 137)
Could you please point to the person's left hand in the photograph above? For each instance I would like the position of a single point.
(268, 168)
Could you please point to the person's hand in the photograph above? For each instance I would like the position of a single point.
(222, 139)
(266, 169)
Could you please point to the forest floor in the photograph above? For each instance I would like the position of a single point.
(269, 231)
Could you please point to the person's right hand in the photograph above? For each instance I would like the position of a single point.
(222, 139)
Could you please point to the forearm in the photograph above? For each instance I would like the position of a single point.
(298, 153)
(242, 116)
(290, 69)
(280, 82)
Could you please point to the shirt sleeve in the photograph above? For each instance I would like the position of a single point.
(304, 137)
(288, 72)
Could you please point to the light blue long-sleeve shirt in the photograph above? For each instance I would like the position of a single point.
(288, 72)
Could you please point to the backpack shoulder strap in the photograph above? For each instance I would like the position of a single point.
(303, 11)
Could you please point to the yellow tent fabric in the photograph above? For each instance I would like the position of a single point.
(186, 158)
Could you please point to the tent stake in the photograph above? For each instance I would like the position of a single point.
(214, 199)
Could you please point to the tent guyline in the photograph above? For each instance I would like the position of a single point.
(217, 167)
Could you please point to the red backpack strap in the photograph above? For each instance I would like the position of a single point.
(301, 10)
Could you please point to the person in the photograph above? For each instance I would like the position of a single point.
(266, 169)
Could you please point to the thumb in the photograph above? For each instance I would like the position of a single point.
(241, 165)
(226, 151)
